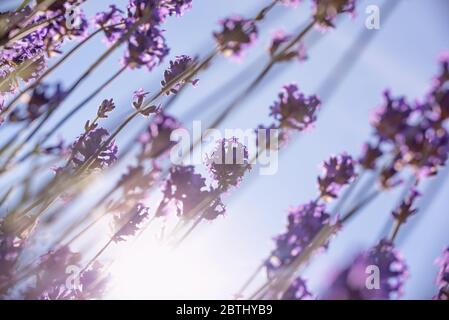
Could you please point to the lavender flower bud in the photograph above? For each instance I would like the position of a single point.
(127, 224)
(105, 107)
(405, 210)
(88, 144)
(369, 157)
(237, 35)
(294, 110)
(338, 171)
(175, 75)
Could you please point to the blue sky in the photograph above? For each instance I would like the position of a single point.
(402, 57)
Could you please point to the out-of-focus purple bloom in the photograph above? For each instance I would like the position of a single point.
(188, 192)
(424, 147)
(392, 117)
(112, 22)
(405, 209)
(325, 11)
(353, 283)
(88, 144)
(237, 35)
(105, 107)
(443, 276)
(51, 275)
(58, 278)
(175, 76)
(338, 171)
(155, 140)
(370, 155)
(294, 110)
(127, 224)
(43, 99)
(304, 223)
(228, 163)
(297, 291)
(10, 249)
(146, 48)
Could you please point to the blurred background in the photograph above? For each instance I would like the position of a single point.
(214, 263)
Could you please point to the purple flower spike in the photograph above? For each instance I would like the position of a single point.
(297, 291)
(304, 223)
(370, 155)
(88, 144)
(187, 190)
(383, 260)
(405, 209)
(338, 171)
(155, 140)
(105, 107)
(175, 76)
(113, 23)
(443, 276)
(294, 110)
(43, 99)
(128, 223)
(146, 48)
(228, 163)
(238, 35)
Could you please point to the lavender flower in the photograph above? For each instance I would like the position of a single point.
(392, 117)
(277, 40)
(146, 48)
(424, 147)
(237, 35)
(405, 209)
(325, 11)
(88, 144)
(338, 171)
(51, 278)
(228, 163)
(127, 224)
(105, 107)
(351, 283)
(187, 190)
(175, 76)
(297, 291)
(43, 99)
(443, 276)
(155, 141)
(370, 155)
(304, 223)
(294, 110)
